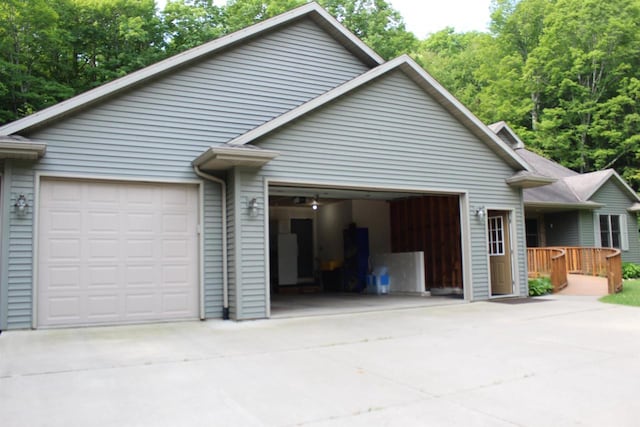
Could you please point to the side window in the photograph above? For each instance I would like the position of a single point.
(605, 242)
(613, 232)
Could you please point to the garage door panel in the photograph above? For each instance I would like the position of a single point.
(111, 253)
(58, 249)
(176, 304)
(174, 198)
(64, 222)
(141, 249)
(100, 277)
(63, 278)
(140, 223)
(141, 275)
(175, 223)
(101, 222)
(138, 305)
(64, 309)
(103, 307)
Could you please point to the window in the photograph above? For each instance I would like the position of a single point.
(496, 236)
(531, 226)
(612, 232)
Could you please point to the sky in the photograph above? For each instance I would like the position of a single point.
(429, 16)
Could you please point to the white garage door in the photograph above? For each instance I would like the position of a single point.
(113, 253)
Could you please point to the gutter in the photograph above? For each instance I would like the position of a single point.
(225, 280)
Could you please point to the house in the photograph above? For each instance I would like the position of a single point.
(162, 195)
(596, 209)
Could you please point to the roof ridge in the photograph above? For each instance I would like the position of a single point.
(312, 9)
(420, 77)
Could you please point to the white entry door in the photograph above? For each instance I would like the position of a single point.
(116, 252)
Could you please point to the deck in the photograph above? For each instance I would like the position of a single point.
(580, 265)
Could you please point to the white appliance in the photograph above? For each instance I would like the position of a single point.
(287, 259)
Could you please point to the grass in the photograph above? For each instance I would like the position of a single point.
(630, 294)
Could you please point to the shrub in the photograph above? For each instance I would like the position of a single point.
(540, 286)
(630, 270)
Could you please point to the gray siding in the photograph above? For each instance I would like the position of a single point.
(391, 133)
(156, 130)
(616, 203)
(562, 229)
(232, 244)
(251, 238)
(18, 276)
(586, 229)
(212, 256)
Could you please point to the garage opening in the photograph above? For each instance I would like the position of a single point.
(344, 249)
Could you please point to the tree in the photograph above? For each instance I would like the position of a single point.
(189, 23)
(375, 22)
(587, 49)
(27, 38)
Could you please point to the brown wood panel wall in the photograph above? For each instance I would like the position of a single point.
(430, 224)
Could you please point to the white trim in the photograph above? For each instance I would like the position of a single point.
(152, 71)
(424, 80)
(237, 237)
(111, 178)
(597, 238)
(200, 232)
(71, 177)
(267, 255)
(502, 125)
(515, 279)
(624, 232)
(36, 250)
(382, 188)
(465, 236)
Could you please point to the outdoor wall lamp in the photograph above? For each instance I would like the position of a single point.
(21, 205)
(481, 212)
(315, 205)
(253, 207)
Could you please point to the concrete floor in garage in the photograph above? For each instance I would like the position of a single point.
(563, 360)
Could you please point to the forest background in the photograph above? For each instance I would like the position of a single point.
(564, 74)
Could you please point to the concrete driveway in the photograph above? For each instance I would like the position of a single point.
(563, 361)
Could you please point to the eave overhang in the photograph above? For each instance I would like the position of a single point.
(15, 147)
(524, 180)
(567, 206)
(635, 208)
(224, 158)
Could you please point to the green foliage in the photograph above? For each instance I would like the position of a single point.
(540, 286)
(630, 295)
(630, 270)
(51, 50)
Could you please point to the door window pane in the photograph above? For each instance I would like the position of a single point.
(496, 236)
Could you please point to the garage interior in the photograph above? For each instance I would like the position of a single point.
(325, 243)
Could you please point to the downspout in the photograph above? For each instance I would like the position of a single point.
(225, 281)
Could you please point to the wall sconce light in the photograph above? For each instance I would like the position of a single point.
(253, 207)
(315, 205)
(21, 205)
(481, 212)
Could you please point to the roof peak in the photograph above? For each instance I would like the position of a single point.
(311, 10)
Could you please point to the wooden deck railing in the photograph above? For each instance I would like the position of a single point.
(549, 262)
(557, 262)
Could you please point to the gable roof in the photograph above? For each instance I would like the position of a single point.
(309, 10)
(420, 77)
(586, 185)
(571, 187)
